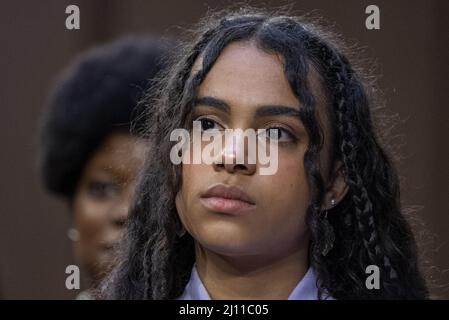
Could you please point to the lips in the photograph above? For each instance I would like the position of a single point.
(227, 199)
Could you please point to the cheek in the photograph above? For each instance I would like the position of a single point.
(287, 191)
(291, 178)
(193, 179)
(90, 217)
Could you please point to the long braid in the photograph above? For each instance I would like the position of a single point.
(350, 105)
(342, 75)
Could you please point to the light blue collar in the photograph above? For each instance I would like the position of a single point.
(306, 289)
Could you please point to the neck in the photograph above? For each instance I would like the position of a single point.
(255, 277)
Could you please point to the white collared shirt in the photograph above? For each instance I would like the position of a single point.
(306, 289)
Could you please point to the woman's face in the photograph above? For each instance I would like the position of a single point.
(251, 85)
(102, 199)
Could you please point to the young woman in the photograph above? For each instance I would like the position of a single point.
(311, 230)
(89, 156)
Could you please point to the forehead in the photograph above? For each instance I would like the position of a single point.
(119, 151)
(245, 75)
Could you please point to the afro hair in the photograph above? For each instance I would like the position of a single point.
(95, 97)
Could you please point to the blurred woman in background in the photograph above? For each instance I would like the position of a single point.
(90, 157)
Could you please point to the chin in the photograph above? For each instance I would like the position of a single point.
(228, 244)
(228, 250)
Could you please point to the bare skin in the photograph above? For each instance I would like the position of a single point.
(103, 198)
(262, 253)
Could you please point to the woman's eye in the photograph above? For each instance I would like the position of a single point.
(279, 134)
(102, 189)
(208, 124)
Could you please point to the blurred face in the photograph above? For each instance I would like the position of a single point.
(232, 209)
(103, 197)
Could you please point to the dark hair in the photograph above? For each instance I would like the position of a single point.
(96, 96)
(369, 226)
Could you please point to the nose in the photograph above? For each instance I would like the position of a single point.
(235, 158)
(119, 213)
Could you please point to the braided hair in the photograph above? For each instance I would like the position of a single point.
(370, 228)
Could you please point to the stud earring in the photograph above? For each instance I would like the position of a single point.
(73, 234)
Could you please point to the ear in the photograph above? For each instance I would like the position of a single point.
(336, 187)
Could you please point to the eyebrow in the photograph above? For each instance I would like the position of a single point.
(212, 102)
(262, 111)
(276, 110)
(117, 173)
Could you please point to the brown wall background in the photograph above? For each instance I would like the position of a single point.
(410, 50)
